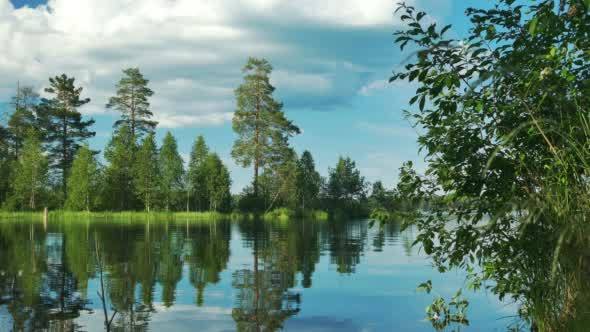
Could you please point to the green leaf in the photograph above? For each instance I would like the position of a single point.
(445, 29)
(533, 26)
(425, 286)
(422, 102)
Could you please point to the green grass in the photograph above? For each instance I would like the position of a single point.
(284, 214)
(122, 216)
(278, 214)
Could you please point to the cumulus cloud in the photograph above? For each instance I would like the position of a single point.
(192, 51)
(301, 82)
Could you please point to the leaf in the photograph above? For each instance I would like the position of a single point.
(420, 16)
(425, 286)
(587, 2)
(445, 29)
(398, 39)
(422, 102)
(533, 26)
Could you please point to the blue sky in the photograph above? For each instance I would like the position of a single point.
(332, 59)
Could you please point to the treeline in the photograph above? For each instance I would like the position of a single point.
(45, 160)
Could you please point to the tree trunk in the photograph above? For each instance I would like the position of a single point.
(64, 155)
(132, 111)
(188, 198)
(256, 148)
(32, 198)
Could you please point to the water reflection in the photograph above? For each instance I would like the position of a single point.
(252, 273)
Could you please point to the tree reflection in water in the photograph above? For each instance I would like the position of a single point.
(49, 278)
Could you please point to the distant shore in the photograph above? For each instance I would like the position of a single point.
(278, 214)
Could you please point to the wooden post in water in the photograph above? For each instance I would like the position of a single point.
(45, 215)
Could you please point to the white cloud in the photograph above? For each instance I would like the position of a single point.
(335, 12)
(211, 119)
(301, 82)
(192, 51)
(370, 88)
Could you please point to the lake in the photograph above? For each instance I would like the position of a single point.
(223, 276)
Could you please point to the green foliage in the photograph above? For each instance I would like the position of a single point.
(146, 172)
(62, 123)
(5, 163)
(258, 120)
(83, 182)
(30, 174)
(280, 214)
(218, 184)
(442, 314)
(171, 170)
(197, 176)
(278, 183)
(118, 191)
(346, 188)
(132, 100)
(23, 118)
(308, 182)
(504, 114)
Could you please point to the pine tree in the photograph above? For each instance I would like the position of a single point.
(83, 181)
(64, 127)
(258, 118)
(132, 101)
(279, 180)
(146, 172)
(346, 187)
(23, 117)
(171, 169)
(308, 181)
(197, 176)
(118, 183)
(30, 173)
(218, 183)
(5, 163)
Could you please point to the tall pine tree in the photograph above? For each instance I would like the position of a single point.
(65, 129)
(118, 191)
(23, 118)
(258, 118)
(218, 183)
(132, 100)
(308, 181)
(146, 172)
(197, 175)
(171, 169)
(83, 182)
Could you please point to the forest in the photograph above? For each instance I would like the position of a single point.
(46, 161)
(502, 120)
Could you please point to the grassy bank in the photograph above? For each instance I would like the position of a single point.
(283, 214)
(278, 214)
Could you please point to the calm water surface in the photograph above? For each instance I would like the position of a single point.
(223, 276)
